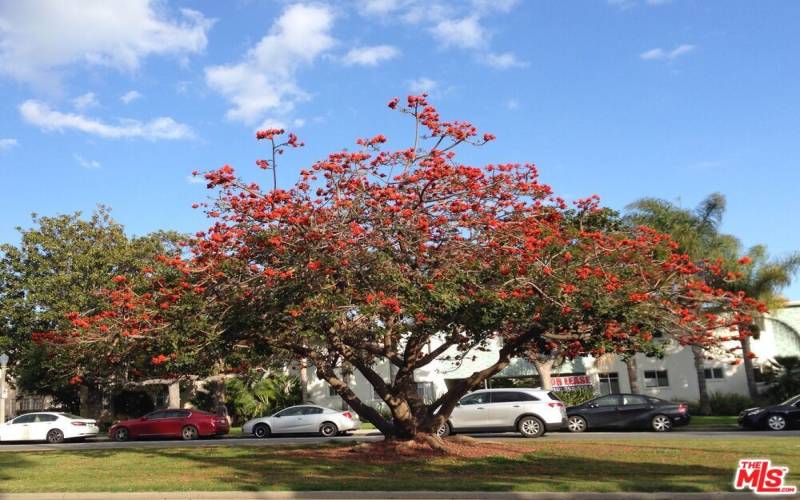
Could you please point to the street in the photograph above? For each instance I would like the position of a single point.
(364, 436)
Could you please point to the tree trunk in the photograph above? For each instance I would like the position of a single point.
(174, 398)
(545, 369)
(749, 373)
(83, 394)
(633, 376)
(699, 366)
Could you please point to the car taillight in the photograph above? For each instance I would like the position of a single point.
(555, 405)
(682, 408)
(348, 414)
(79, 424)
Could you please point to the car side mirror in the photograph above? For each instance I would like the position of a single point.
(143, 419)
(458, 404)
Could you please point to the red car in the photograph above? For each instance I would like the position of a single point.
(185, 424)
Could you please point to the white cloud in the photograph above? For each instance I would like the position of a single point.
(370, 56)
(465, 33)
(512, 104)
(265, 80)
(505, 60)
(659, 54)
(381, 7)
(83, 162)
(494, 5)
(453, 24)
(39, 38)
(39, 114)
(87, 100)
(422, 85)
(130, 96)
(6, 144)
(195, 179)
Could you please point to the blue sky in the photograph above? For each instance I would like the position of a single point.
(117, 104)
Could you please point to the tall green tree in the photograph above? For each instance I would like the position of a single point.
(60, 264)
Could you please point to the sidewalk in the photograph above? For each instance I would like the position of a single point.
(357, 495)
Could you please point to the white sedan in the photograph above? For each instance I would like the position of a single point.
(53, 427)
(303, 419)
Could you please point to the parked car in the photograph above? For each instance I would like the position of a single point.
(627, 411)
(776, 418)
(303, 419)
(185, 424)
(531, 412)
(53, 427)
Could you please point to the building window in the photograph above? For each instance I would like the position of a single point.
(656, 378)
(714, 373)
(331, 391)
(609, 383)
(425, 391)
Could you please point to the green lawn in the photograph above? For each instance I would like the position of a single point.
(620, 465)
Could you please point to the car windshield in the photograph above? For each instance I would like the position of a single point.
(791, 401)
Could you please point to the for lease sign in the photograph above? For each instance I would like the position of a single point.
(570, 381)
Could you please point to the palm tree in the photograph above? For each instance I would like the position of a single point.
(785, 381)
(697, 233)
(762, 278)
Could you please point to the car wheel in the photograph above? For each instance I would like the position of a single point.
(530, 427)
(576, 424)
(444, 430)
(661, 423)
(261, 431)
(328, 429)
(55, 436)
(122, 434)
(189, 433)
(776, 423)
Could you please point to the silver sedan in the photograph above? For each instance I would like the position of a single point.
(303, 419)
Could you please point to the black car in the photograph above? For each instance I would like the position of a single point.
(627, 411)
(776, 418)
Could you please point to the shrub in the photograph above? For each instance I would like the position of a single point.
(783, 377)
(575, 397)
(729, 404)
(256, 397)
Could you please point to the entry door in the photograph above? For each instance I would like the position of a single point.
(602, 412)
(472, 412)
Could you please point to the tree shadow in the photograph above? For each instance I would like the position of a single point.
(277, 468)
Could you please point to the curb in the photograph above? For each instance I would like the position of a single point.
(357, 495)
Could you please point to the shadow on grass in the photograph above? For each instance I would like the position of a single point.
(253, 469)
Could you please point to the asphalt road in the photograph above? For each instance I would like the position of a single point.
(105, 444)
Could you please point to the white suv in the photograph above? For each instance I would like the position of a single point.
(531, 412)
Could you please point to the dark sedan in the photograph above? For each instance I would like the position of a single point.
(177, 423)
(627, 411)
(776, 418)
